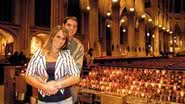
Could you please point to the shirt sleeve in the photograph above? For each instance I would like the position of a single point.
(79, 57)
(72, 68)
(32, 65)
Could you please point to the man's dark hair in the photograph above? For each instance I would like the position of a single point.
(70, 18)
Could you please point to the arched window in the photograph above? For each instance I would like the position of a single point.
(6, 10)
(42, 13)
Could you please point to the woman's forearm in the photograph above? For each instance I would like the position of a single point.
(69, 81)
(35, 82)
(48, 89)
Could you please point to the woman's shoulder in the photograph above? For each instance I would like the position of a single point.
(65, 52)
(38, 52)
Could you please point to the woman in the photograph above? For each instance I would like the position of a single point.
(52, 70)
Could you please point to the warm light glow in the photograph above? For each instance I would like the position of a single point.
(150, 20)
(143, 16)
(171, 32)
(175, 41)
(163, 28)
(108, 13)
(182, 93)
(160, 26)
(88, 8)
(124, 30)
(108, 25)
(114, 1)
(170, 41)
(167, 30)
(131, 9)
(148, 34)
(153, 36)
(122, 20)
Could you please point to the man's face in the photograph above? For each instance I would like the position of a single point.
(71, 26)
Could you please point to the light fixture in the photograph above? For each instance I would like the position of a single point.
(160, 26)
(164, 28)
(108, 13)
(114, 1)
(171, 32)
(131, 9)
(171, 42)
(150, 20)
(122, 20)
(148, 34)
(124, 30)
(175, 41)
(167, 30)
(88, 8)
(108, 25)
(143, 16)
(153, 36)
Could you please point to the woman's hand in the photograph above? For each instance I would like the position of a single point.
(51, 88)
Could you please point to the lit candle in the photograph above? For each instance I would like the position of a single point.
(182, 93)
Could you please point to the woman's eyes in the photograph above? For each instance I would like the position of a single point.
(62, 38)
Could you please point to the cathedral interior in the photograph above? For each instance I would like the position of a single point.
(125, 34)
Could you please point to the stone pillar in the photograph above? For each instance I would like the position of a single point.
(93, 27)
(32, 13)
(58, 12)
(166, 39)
(156, 41)
(103, 36)
(131, 36)
(115, 30)
(161, 43)
(23, 39)
(157, 47)
(141, 39)
(17, 12)
(85, 28)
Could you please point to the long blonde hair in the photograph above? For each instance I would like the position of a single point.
(48, 44)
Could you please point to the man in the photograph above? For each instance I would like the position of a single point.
(75, 46)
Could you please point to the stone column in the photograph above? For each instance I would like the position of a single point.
(156, 41)
(85, 28)
(58, 12)
(115, 30)
(23, 39)
(32, 12)
(131, 36)
(161, 42)
(17, 12)
(141, 39)
(93, 27)
(103, 36)
(166, 39)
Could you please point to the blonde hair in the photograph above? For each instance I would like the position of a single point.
(48, 44)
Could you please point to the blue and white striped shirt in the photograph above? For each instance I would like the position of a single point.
(65, 66)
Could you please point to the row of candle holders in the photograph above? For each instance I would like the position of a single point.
(162, 85)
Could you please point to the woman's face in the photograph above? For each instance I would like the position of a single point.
(58, 40)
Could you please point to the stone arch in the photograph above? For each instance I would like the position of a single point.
(7, 42)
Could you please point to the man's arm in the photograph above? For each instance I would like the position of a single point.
(79, 57)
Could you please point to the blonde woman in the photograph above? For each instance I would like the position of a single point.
(48, 68)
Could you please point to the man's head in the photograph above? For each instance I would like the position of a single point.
(71, 24)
